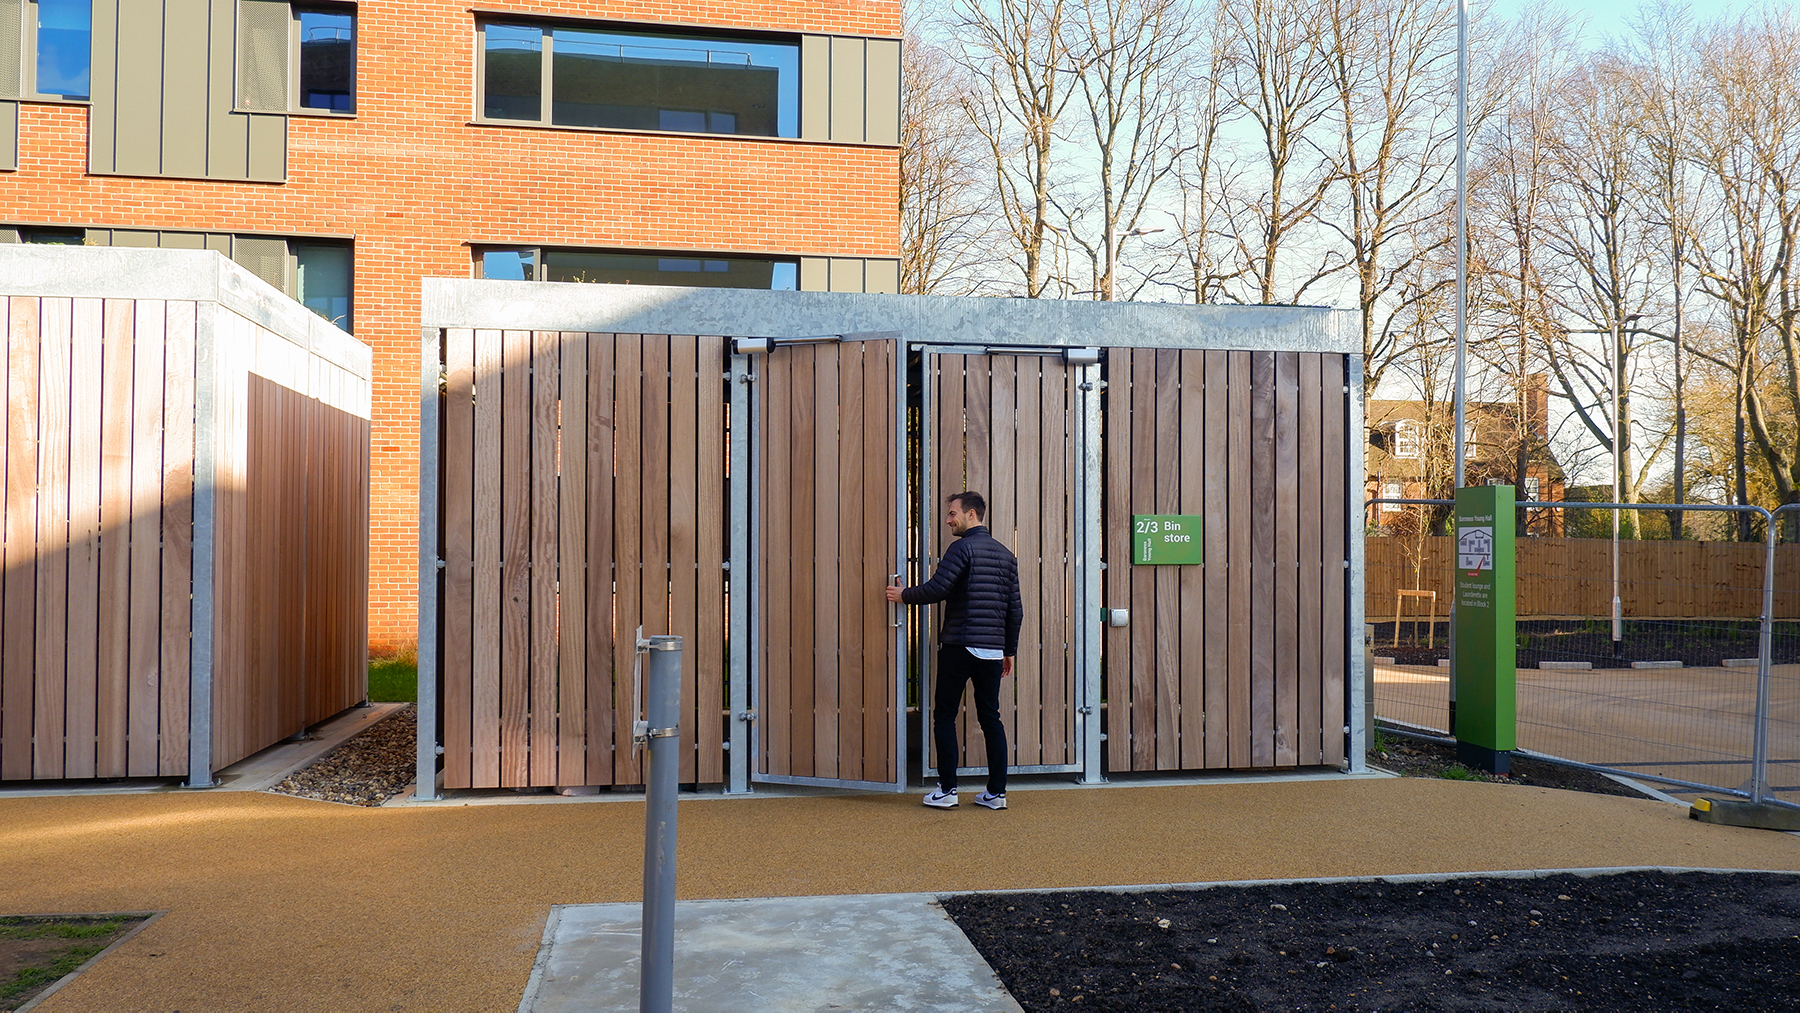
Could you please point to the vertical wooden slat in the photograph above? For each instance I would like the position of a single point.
(1311, 465)
(18, 619)
(710, 513)
(1287, 563)
(1026, 743)
(602, 629)
(177, 535)
(860, 551)
(488, 581)
(827, 564)
(950, 474)
(628, 545)
(878, 668)
(1192, 591)
(572, 577)
(778, 393)
(1144, 629)
(682, 507)
(515, 557)
(1169, 703)
(50, 700)
(653, 491)
(545, 366)
(803, 520)
(1334, 551)
(1243, 561)
(113, 688)
(1263, 514)
(459, 471)
(1116, 578)
(1218, 527)
(83, 628)
(1056, 695)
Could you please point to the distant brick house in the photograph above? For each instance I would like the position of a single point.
(1406, 453)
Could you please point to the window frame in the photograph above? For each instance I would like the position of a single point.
(295, 10)
(540, 252)
(650, 30)
(25, 89)
(1408, 431)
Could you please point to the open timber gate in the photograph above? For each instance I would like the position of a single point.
(753, 495)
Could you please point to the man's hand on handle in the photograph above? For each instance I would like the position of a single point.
(893, 593)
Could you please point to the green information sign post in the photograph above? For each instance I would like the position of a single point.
(1166, 539)
(1485, 676)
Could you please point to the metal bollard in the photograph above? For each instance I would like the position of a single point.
(662, 766)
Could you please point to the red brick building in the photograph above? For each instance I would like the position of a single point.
(343, 152)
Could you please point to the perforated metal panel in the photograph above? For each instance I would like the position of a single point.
(263, 27)
(9, 235)
(11, 24)
(265, 258)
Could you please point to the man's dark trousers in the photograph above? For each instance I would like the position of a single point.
(957, 666)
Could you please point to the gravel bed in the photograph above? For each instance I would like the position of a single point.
(374, 766)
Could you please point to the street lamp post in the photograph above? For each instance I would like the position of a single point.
(1113, 239)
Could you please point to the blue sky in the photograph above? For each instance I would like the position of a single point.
(1612, 17)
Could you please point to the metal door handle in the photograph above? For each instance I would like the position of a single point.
(896, 609)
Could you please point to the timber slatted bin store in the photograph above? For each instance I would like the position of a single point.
(186, 454)
(746, 469)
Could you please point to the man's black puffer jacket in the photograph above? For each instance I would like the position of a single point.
(978, 578)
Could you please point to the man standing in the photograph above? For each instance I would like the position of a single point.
(979, 579)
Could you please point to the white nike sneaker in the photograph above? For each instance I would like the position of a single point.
(941, 799)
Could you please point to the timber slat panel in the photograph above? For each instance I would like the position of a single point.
(18, 620)
(828, 567)
(113, 530)
(177, 533)
(1026, 743)
(855, 541)
(591, 466)
(144, 497)
(54, 391)
(879, 705)
(1239, 662)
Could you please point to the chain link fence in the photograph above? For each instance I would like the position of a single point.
(1674, 661)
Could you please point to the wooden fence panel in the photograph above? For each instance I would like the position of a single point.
(584, 496)
(1572, 578)
(827, 700)
(1232, 663)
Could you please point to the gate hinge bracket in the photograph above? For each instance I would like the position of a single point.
(441, 564)
(748, 715)
(1092, 385)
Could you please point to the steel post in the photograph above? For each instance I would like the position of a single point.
(431, 573)
(1765, 655)
(738, 577)
(662, 766)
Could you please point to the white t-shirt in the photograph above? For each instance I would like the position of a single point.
(987, 653)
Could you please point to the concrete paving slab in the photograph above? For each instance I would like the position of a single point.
(775, 955)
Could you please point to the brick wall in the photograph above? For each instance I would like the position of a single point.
(414, 182)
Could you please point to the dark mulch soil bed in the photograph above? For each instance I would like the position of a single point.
(1627, 942)
(1412, 758)
(1694, 643)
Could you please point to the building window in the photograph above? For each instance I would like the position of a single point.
(694, 270)
(1392, 490)
(581, 77)
(57, 49)
(322, 279)
(296, 58)
(1532, 489)
(1406, 439)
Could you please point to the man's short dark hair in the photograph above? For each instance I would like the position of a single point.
(971, 501)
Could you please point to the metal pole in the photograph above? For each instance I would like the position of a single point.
(1759, 750)
(738, 776)
(1462, 226)
(211, 376)
(431, 574)
(1618, 447)
(661, 732)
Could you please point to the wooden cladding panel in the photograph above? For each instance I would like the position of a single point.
(584, 495)
(827, 446)
(1235, 663)
(1003, 426)
(98, 456)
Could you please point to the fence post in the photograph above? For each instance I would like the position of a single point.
(662, 734)
(1765, 654)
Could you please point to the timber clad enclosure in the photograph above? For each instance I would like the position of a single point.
(591, 468)
(186, 518)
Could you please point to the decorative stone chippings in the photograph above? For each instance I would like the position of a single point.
(374, 766)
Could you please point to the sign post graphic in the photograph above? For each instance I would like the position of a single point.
(1166, 540)
(1485, 677)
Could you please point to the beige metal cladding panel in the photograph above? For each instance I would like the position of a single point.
(262, 78)
(131, 113)
(265, 258)
(846, 275)
(847, 89)
(881, 92)
(815, 274)
(268, 147)
(815, 87)
(11, 24)
(185, 120)
(881, 276)
(9, 135)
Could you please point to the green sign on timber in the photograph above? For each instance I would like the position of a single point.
(1165, 539)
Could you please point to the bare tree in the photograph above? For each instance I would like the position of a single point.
(943, 209)
(1023, 74)
(1205, 172)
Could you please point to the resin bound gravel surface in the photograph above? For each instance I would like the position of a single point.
(372, 767)
(1639, 941)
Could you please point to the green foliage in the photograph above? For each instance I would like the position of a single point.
(1458, 772)
(394, 680)
(88, 937)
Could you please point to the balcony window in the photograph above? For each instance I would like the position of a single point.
(579, 77)
(606, 267)
(63, 47)
(327, 59)
(296, 58)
